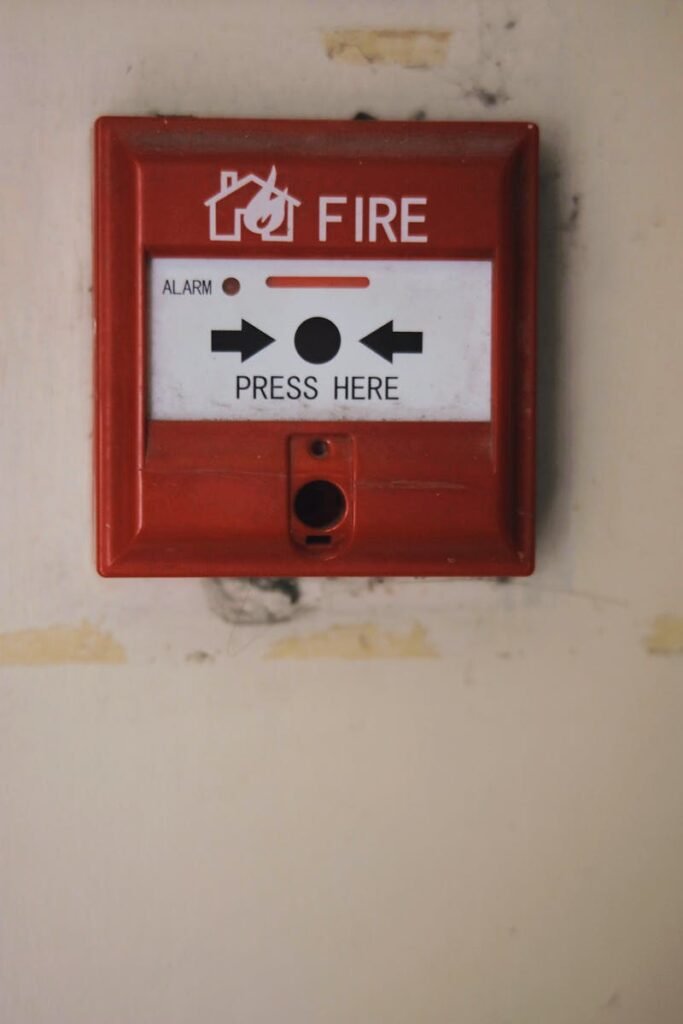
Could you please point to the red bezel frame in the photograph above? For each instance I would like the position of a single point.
(213, 498)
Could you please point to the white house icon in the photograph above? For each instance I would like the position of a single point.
(253, 203)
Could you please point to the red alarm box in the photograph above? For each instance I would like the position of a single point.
(315, 347)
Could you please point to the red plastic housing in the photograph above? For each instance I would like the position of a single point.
(218, 498)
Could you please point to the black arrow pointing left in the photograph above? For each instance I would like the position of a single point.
(247, 341)
(386, 342)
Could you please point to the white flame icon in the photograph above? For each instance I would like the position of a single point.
(265, 212)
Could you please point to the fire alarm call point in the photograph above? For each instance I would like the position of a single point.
(315, 347)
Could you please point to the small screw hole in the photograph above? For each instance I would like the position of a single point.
(318, 448)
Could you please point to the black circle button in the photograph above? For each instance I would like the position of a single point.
(317, 340)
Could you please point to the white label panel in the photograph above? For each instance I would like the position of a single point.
(320, 339)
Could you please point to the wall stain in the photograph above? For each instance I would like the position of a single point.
(613, 1003)
(198, 657)
(254, 600)
(358, 642)
(363, 115)
(61, 645)
(666, 635)
(488, 97)
(572, 220)
(408, 48)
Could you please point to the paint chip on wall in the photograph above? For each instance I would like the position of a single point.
(60, 645)
(408, 48)
(356, 643)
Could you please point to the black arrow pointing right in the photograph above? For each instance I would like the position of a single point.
(386, 342)
(247, 341)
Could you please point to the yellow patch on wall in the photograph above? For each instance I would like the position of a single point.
(60, 645)
(409, 48)
(356, 643)
(666, 635)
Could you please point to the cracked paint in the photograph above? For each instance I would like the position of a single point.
(408, 48)
(357, 642)
(666, 635)
(61, 645)
(253, 600)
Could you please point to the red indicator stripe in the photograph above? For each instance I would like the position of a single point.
(318, 282)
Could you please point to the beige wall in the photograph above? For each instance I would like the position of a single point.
(405, 801)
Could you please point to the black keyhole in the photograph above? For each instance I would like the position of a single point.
(320, 504)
